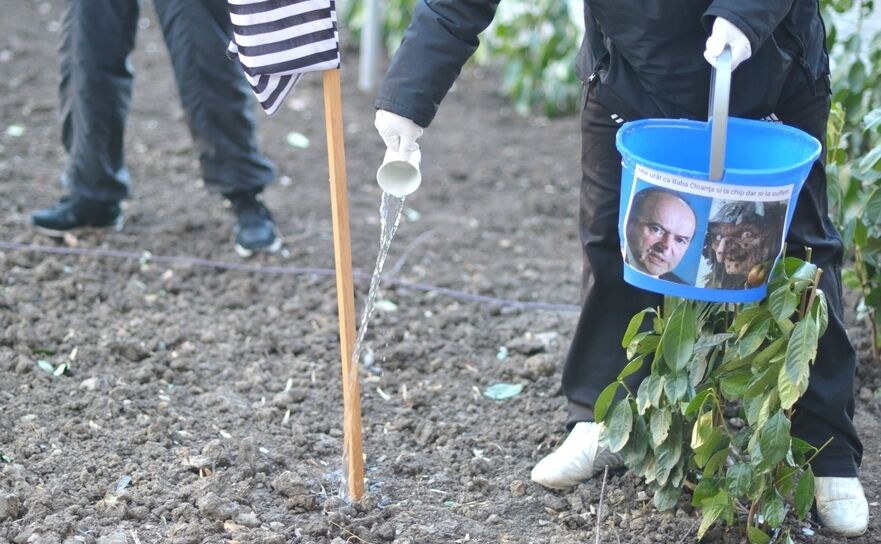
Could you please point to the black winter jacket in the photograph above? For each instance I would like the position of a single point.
(646, 56)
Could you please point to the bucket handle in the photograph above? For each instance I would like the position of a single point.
(717, 117)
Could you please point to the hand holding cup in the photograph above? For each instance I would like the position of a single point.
(399, 174)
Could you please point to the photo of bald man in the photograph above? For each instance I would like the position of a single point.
(660, 228)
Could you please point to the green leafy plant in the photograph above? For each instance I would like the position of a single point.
(853, 159)
(859, 216)
(706, 359)
(536, 43)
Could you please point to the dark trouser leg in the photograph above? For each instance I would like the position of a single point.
(826, 410)
(218, 101)
(595, 356)
(95, 91)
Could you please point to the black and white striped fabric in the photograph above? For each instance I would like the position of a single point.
(277, 41)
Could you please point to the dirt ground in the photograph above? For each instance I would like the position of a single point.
(203, 401)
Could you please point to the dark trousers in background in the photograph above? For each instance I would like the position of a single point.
(596, 357)
(96, 88)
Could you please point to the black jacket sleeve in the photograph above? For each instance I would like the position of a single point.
(441, 37)
(756, 18)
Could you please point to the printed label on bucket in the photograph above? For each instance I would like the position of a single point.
(702, 234)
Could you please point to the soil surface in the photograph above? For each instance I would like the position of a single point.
(203, 398)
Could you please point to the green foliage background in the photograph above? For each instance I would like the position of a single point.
(853, 158)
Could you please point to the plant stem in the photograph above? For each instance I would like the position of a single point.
(600, 506)
(807, 463)
(874, 327)
(706, 310)
(813, 294)
(726, 316)
(752, 512)
(862, 274)
(720, 414)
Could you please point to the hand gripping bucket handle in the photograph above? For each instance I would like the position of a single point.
(730, 172)
(720, 90)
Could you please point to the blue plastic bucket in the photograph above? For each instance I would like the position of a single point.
(701, 221)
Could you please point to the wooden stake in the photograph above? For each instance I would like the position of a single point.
(336, 159)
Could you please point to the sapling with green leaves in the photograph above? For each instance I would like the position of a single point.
(853, 150)
(856, 192)
(703, 358)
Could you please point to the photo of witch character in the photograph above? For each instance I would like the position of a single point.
(743, 239)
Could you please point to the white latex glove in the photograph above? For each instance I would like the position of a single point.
(398, 133)
(725, 33)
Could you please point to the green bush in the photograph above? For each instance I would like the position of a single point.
(536, 43)
(853, 158)
(705, 360)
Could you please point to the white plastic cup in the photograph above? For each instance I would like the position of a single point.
(399, 174)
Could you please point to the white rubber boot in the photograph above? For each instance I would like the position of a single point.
(842, 506)
(579, 458)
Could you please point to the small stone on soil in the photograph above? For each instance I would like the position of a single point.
(518, 488)
(113, 538)
(89, 384)
(216, 508)
(10, 506)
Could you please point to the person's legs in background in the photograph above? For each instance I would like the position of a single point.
(219, 108)
(95, 92)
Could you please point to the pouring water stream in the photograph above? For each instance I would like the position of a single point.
(390, 217)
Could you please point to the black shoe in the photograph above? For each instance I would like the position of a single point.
(73, 212)
(255, 230)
